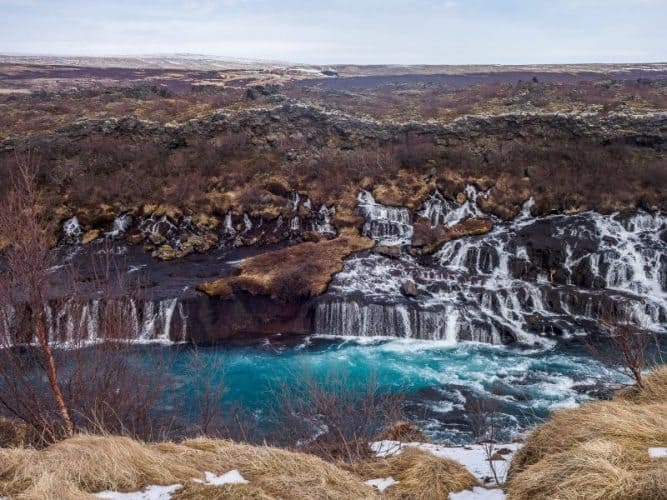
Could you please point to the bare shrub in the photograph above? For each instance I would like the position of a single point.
(208, 389)
(27, 261)
(336, 418)
(485, 424)
(629, 352)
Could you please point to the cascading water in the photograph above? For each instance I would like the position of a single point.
(526, 280)
(387, 225)
(322, 222)
(76, 322)
(72, 230)
(440, 210)
(120, 226)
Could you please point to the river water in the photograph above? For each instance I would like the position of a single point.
(439, 383)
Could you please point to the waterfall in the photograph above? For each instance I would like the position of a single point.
(354, 317)
(294, 200)
(75, 322)
(228, 226)
(72, 230)
(120, 226)
(387, 225)
(322, 221)
(527, 280)
(247, 223)
(440, 210)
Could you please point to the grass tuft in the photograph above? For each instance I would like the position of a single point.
(420, 475)
(82, 465)
(599, 450)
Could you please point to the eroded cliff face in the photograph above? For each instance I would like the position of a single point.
(486, 251)
(444, 271)
(295, 144)
(268, 126)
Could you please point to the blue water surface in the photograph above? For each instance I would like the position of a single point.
(439, 383)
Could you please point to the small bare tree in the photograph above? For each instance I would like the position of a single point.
(630, 350)
(208, 391)
(484, 423)
(27, 261)
(336, 418)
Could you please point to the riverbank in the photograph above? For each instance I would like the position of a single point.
(602, 449)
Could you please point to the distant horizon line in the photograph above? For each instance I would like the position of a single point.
(249, 60)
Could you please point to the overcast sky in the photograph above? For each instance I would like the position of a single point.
(344, 31)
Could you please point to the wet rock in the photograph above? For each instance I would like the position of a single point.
(393, 252)
(135, 238)
(166, 252)
(409, 288)
(156, 238)
(430, 238)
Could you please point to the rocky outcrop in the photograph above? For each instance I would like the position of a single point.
(428, 239)
(291, 274)
(321, 127)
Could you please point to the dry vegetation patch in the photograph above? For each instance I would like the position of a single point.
(291, 273)
(80, 466)
(599, 450)
(419, 474)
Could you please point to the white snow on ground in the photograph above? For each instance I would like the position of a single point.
(165, 492)
(471, 457)
(659, 452)
(150, 493)
(231, 477)
(478, 493)
(382, 483)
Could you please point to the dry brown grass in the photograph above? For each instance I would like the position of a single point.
(420, 475)
(15, 433)
(299, 271)
(655, 388)
(599, 450)
(405, 432)
(600, 469)
(82, 465)
(195, 491)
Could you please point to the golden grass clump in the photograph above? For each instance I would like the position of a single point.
(294, 272)
(405, 432)
(595, 470)
(655, 388)
(194, 491)
(599, 450)
(420, 475)
(635, 426)
(82, 465)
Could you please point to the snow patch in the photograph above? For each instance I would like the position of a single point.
(382, 483)
(231, 477)
(150, 493)
(472, 457)
(478, 493)
(657, 452)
